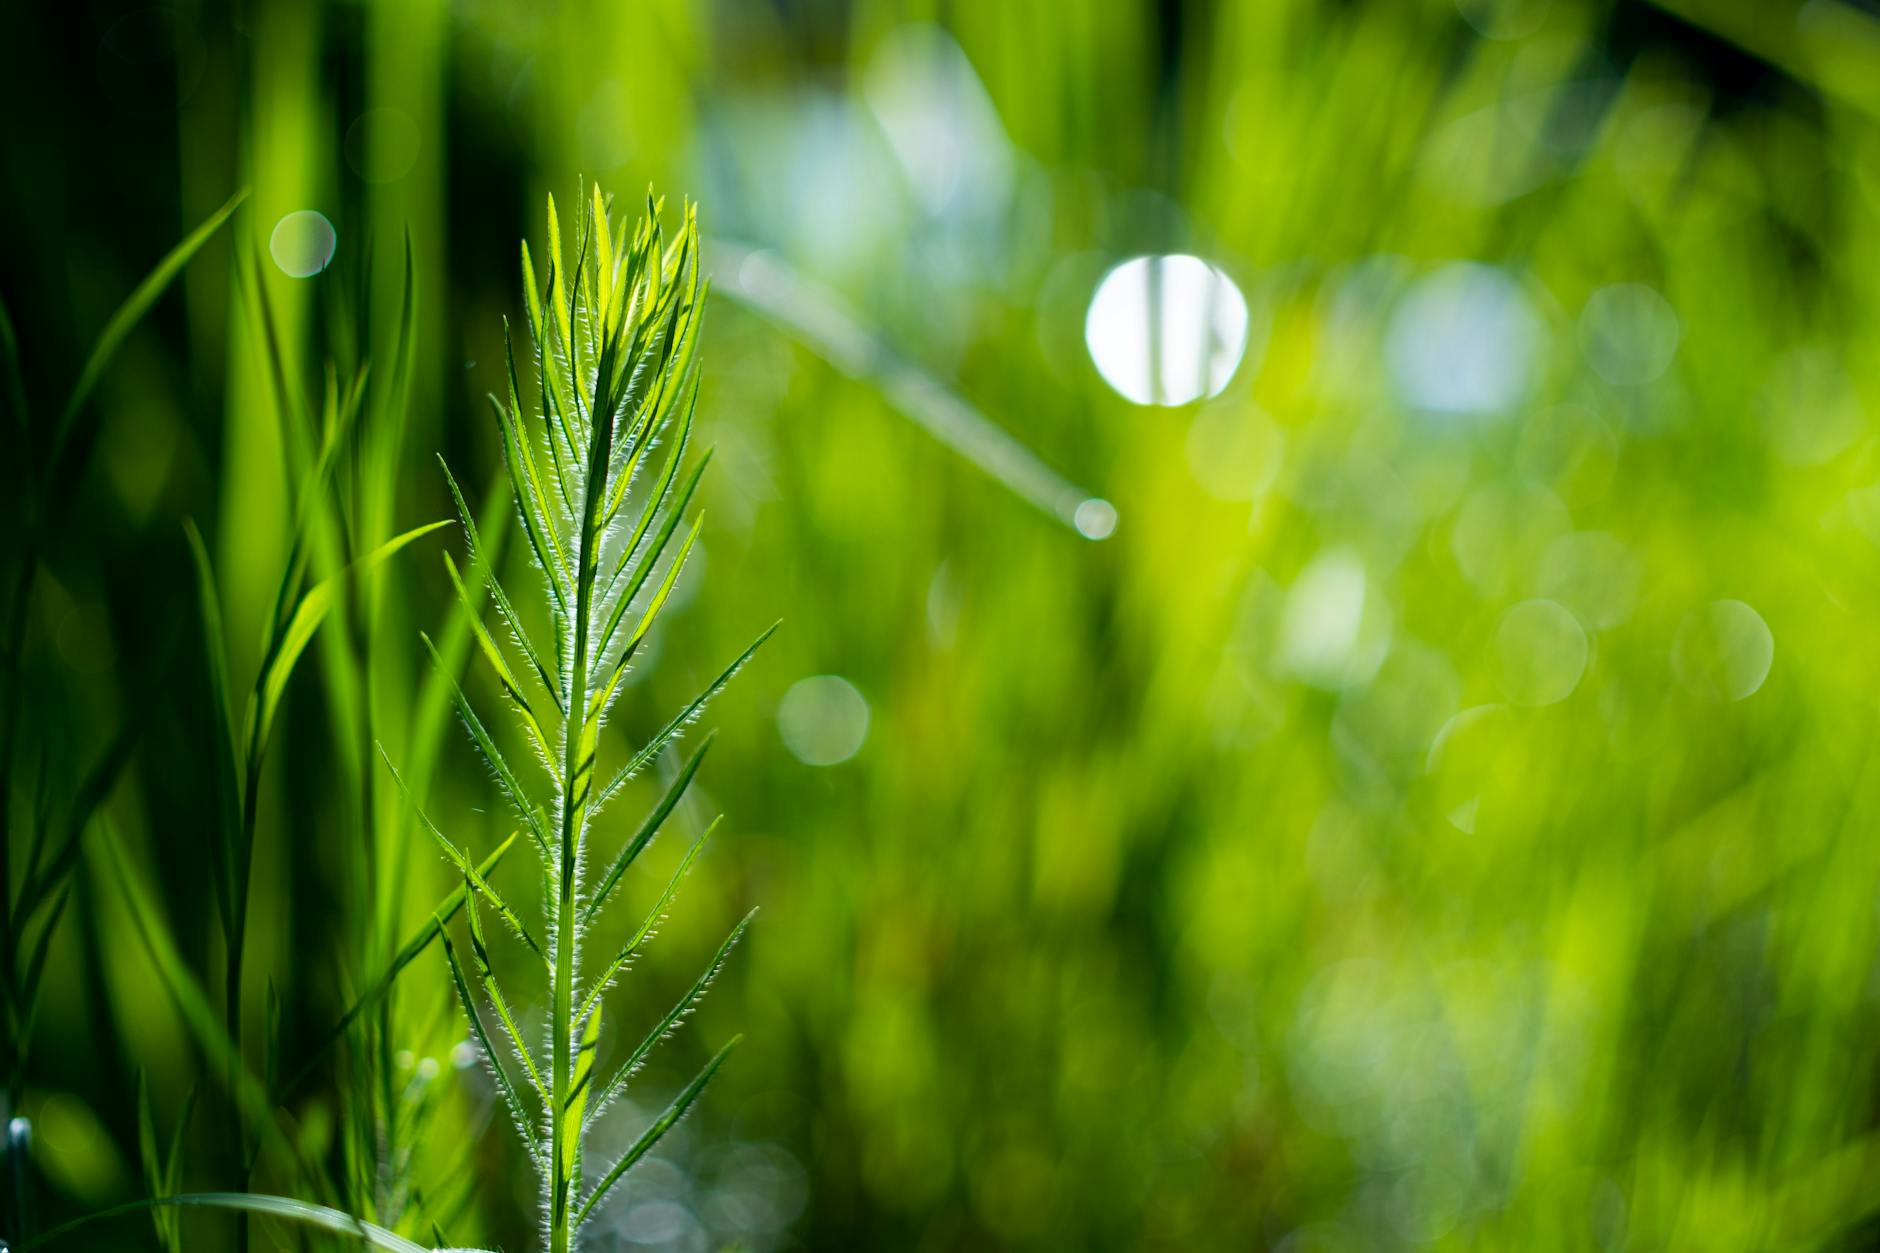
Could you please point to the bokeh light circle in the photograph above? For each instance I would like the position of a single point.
(303, 243)
(823, 720)
(1540, 652)
(1463, 341)
(1629, 333)
(1166, 330)
(1724, 651)
(1094, 518)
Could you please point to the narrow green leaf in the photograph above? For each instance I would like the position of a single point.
(461, 862)
(653, 1134)
(648, 829)
(644, 569)
(525, 481)
(523, 1127)
(482, 556)
(494, 655)
(605, 696)
(653, 918)
(491, 754)
(480, 952)
(671, 730)
(581, 1086)
(686, 1004)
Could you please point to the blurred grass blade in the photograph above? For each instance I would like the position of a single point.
(815, 318)
(674, 1016)
(308, 615)
(652, 1135)
(128, 314)
(186, 992)
(249, 1202)
(446, 910)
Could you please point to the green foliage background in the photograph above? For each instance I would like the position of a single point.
(1144, 917)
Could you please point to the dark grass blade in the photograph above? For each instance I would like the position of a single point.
(446, 910)
(247, 1094)
(222, 725)
(122, 322)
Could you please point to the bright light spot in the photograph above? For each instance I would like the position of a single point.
(1629, 333)
(1235, 451)
(302, 243)
(382, 145)
(1166, 330)
(1095, 518)
(1463, 341)
(1323, 635)
(1724, 651)
(1540, 653)
(823, 720)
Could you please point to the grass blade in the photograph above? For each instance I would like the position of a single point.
(308, 615)
(446, 910)
(222, 729)
(249, 1202)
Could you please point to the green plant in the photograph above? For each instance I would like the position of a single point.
(616, 356)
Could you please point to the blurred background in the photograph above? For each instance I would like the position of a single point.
(1328, 558)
